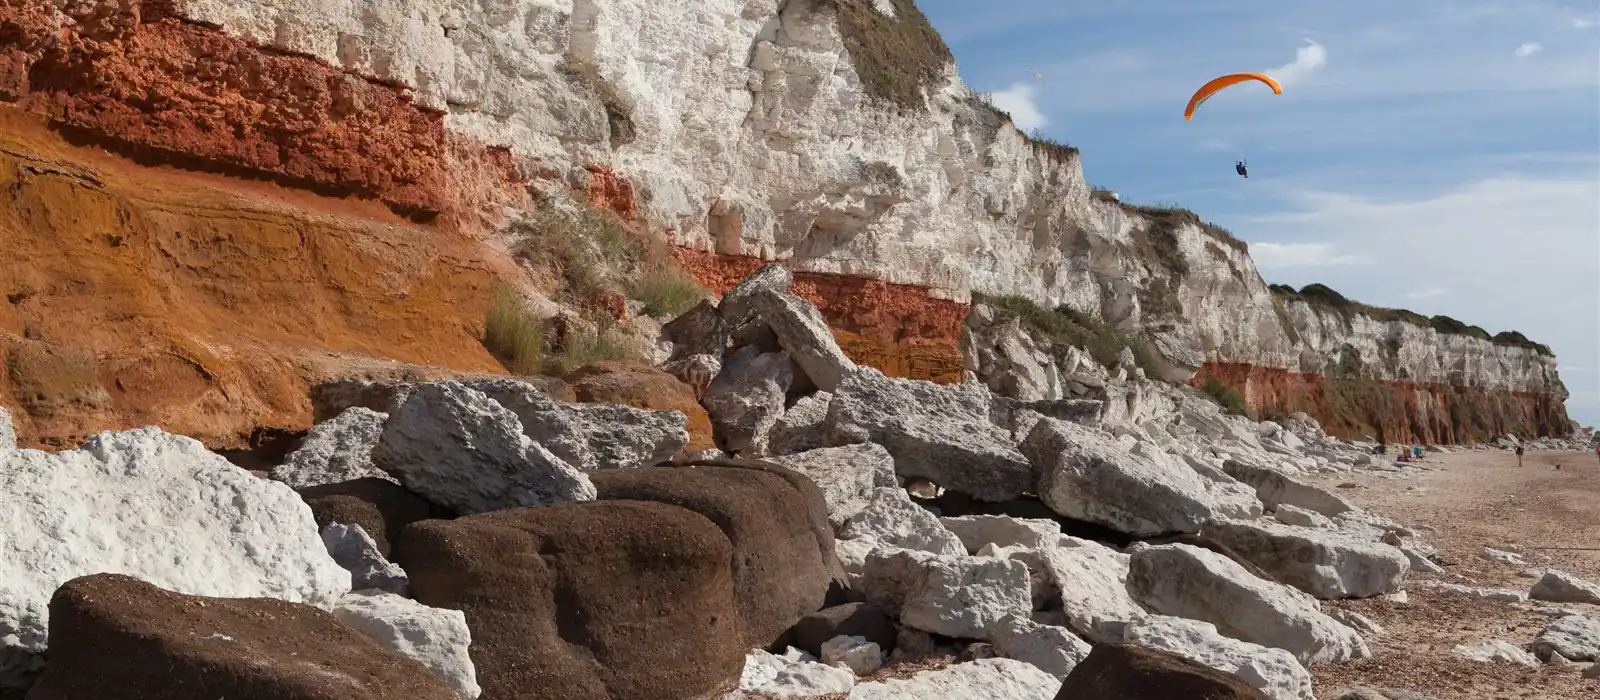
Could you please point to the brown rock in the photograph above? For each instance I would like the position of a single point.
(585, 601)
(115, 637)
(1126, 672)
(783, 563)
(851, 619)
(643, 387)
(381, 508)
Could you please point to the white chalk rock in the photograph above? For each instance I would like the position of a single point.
(847, 475)
(793, 675)
(1300, 517)
(747, 397)
(1497, 556)
(8, 435)
(589, 436)
(977, 531)
(890, 517)
(1326, 564)
(1275, 488)
(1420, 561)
(1091, 582)
(1356, 621)
(336, 451)
(436, 637)
(1499, 595)
(1054, 650)
(1273, 671)
(956, 596)
(805, 336)
(802, 427)
(1562, 587)
(152, 505)
(357, 552)
(457, 447)
(1190, 582)
(855, 653)
(1574, 637)
(1495, 651)
(984, 679)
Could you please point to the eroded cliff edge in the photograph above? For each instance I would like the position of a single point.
(832, 133)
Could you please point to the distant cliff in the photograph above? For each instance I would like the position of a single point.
(832, 133)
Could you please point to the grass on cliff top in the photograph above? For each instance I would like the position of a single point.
(522, 341)
(1065, 325)
(895, 57)
(1323, 296)
(1171, 217)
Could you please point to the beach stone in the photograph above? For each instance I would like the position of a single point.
(335, 451)
(1320, 562)
(805, 336)
(1091, 581)
(1129, 672)
(590, 436)
(984, 679)
(847, 475)
(1053, 649)
(435, 637)
(1562, 587)
(891, 518)
(1275, 488)
(1300, 517)
(354, 549)
(863, 620)
(382, 508)
(802, 427)
(1273, 672)
(1575, 637)
(1495, 651)
(978, 531)
(792, 675)
(747, 397)
(855, 653)
(956, 596)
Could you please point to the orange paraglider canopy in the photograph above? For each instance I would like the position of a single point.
(1206, 91)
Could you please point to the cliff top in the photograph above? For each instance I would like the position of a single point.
(1324, 297)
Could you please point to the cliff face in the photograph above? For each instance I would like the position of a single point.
(832, 133)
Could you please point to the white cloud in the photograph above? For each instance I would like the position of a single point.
(1270, 256)
(1307, 60)
(1527, 50)
(1427, 293)
(1019, 101)
(1586, 23)
(1216, 145)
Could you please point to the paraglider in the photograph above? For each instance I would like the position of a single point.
(1218, 84)
(1242, 169)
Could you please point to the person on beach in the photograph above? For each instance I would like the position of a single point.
(1519, 454)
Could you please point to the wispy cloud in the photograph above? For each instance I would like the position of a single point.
(1216, 145)
(1427, 293)
(1307, 60)
(1586, 23)
(1270, 256)
(1527, 50)
(1019, 100)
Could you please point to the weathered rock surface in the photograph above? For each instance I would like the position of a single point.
(457, 447)
(590, 436)
(783, 562)
(1501, 595)
(1356, 621)
(1511, 559)
(1275, 488)
(864, 620)
(8, 435)
(855, 653)
(1274, 672)
(940, 433)
(1562, 587)
(1323, 563)
(747, 397)
(805, 336)
(611, 382)
(698, 331)
(1575, 637)
(331, 399)
(802, 428)
(847, 475)
(115, 636)
(1054, 650)
(1090, 579)
(336, 451)
(152, 505)
(1300, 517)
(956, 596)
(1495, 651)
(1189, 582)
(1125, 672)
(588, 601)
(890, 517)
(382, 508)
(738, 306)
(435, 637)
(984, 679)
(792, 675)
(1088, 475)
(977, 531)
(355, 550)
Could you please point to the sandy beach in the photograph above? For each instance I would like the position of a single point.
(1461, 503)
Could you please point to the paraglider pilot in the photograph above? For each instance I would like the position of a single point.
(1240, 168)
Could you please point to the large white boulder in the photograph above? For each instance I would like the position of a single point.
(461, 449)
(747, 397)
(1274, 671)
(984, 679)
(890, 517)
(1055, 650)
(152, 505)
(941, 433)
(805, 336)
(436, 637)
(794, 674)
(956, 596)
(336, 451)
(1087, 474)
(1495, 651)
(977, 531)
(1190, 582)
(1562, 587)
(1274, 488)
(589, 436)
(847, 475)
(1326, 564)
(1574, 637)
(1090, 580)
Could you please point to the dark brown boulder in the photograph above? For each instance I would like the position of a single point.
(783, 557)
(115, 637)
(851, 620)
(1127, 672)
(585, 601)
(382, 508)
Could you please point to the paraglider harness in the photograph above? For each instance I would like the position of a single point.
(1241, 168)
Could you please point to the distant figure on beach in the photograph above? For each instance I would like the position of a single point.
(1519, 455)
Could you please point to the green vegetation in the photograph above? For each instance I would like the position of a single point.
(1517, 339)
(1171, 217)
(588, 346)
(1321, 296)
(895, 57)
(511, 333)
(1159, 298)
(1067, 326)
(1053, 149)
(666, 293)
(593, 255)
(618, 119)
(1225, 396)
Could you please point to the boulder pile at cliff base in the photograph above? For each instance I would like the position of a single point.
(862, 536)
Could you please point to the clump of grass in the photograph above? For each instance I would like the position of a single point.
(1170, 217)
(511, 333)
(896, 57)
(585, 347)
(593, 254)
(1067, 326)
(667, 293)
(1226, 396)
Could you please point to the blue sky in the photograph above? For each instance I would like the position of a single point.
(1436, 155)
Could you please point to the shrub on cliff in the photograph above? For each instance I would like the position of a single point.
(1067, 326)
(895, 57)
(594, 255)
(1226, 396)
(512, 333)
(1517, 339)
